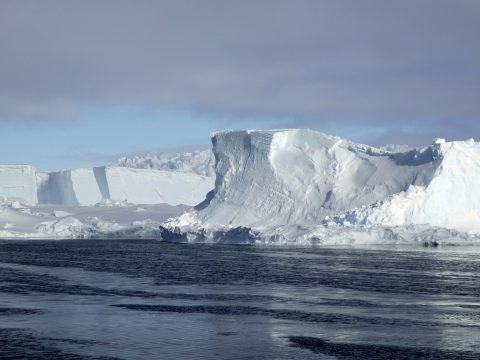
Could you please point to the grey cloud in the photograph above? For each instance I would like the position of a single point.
(18, 108)
(380, 63)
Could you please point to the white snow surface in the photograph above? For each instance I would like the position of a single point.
(200, 162)
(301, 186)
(451, 199)
(89, 186)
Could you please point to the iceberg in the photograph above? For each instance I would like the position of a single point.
(282, 187)
(302, 186)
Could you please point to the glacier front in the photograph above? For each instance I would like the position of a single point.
(302, 186)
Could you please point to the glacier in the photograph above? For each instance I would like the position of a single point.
(302, 186)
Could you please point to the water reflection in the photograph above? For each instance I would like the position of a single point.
(144, 300)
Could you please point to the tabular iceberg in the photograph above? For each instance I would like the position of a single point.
(90, 186)
(302, 186)
(164, 188)
(172, 179)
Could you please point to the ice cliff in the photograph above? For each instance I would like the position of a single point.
(90, 186)
(301, 185)
(17, 182)
(181, 182)
(148, 179)
(56, 205)
(64, 210)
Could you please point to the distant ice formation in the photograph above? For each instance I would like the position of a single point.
(201, 162)
(171, 179)
(90, 186)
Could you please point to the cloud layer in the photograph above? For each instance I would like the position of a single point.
(391, 65)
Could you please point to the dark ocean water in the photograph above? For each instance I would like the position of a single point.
(152, 300)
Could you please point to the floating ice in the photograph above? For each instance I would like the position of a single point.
(304, 186)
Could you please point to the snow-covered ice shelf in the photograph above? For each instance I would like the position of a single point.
(292, 186)
(134, 185)
(130, 199)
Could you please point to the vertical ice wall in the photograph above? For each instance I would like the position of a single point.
(90, 186)
(18, 182)
(145, 186)
(69, 187)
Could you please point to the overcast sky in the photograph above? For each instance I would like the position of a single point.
(82, 82)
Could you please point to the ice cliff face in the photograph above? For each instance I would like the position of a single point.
(90, 186)
(180, 179)
(196, 162)
(17, 182)
(173, 179)
(311, 182)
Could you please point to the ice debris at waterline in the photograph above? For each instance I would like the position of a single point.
(301, 186)
(106, 220)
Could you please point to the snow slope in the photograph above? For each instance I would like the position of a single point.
(196, 162)
(18, 182)
(450, 199)
(90, 186)
(301, 185)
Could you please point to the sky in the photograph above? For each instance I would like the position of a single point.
(83, 83)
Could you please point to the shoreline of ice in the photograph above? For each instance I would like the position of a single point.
(279, 187)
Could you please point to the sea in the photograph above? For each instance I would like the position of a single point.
(145, 299)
